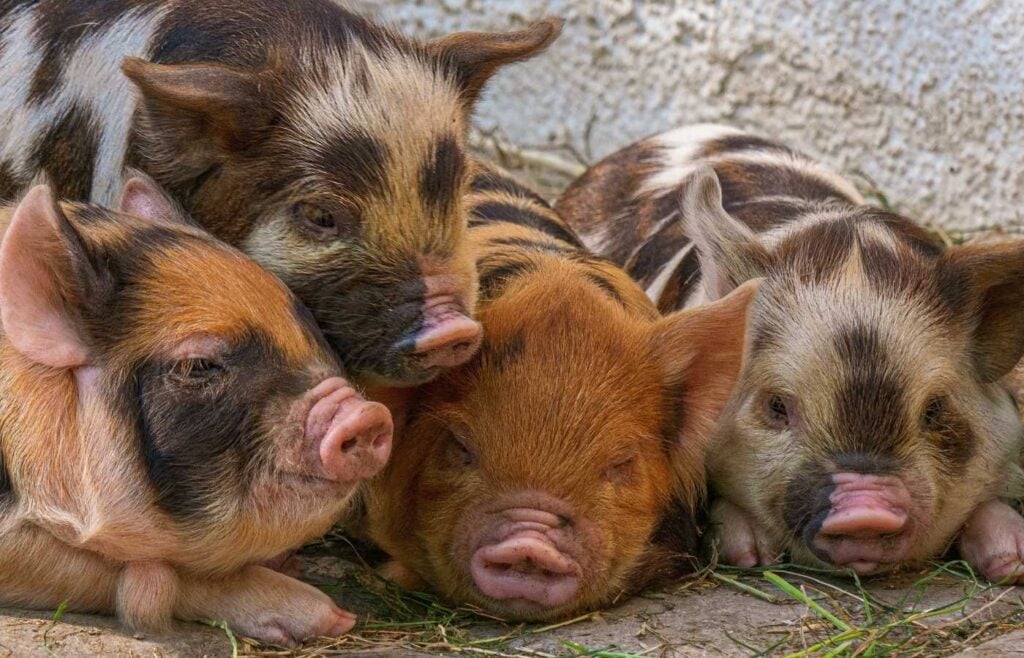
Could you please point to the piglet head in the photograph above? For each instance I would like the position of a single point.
(868, 421)
(532, 481)
(211, 374)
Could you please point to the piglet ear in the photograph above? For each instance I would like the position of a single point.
(475, 56)
(701, 351)
(202, 101)
(988, 282)
(143, 198)
(37, 273)
(730, 253)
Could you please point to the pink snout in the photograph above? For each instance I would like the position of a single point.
(525, 563)
(868, 523)
(448, 337)
(351, 436)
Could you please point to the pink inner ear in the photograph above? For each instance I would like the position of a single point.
(142, 198)
(36, 317)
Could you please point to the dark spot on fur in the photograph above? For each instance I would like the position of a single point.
(870, 405)
(818, 252)
(745, 181)
(950, 432)
(723, 146)
(67, 154)
(491, 181)
(673, 410)
(6, 485)
(681, 284)
(59, 29)
(498, 355)
(807, 502)
(441, 175)
(359, 162)
(202, 440)
(496, 211)
(493, 278)
(538, 245)
(9, 183)
(606, 286)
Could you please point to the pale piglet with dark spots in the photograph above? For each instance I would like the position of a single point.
(869, 428)
(561, 466)
(328, 148)
(170, 418)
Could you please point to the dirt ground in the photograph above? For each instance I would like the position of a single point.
(709, 616)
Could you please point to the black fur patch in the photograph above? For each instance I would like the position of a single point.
(441, 176)
(494, 278)
(871, 405)
(490, 181)
(742, 143)
(606, 286)
(359, 162)
(67, 153)
(201, 437)
(952, 434)
(498, 355)
(9, 184)
(807, 502)
(818, 252)
(743, 181)
(681, 283)
(496, 211)
(6, 486)
(61, 26)
(673, 410)
(535, 245)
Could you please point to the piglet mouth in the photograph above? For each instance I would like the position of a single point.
(527, 567)
(868, 526)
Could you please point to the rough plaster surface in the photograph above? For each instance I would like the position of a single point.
(925, 97)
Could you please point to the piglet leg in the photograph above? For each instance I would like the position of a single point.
(738, 539)
(263, 604)
(992, 542)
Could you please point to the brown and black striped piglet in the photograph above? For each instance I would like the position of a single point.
(170, 418)
(869, 428)
(558, 469)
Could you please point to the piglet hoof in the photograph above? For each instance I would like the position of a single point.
(737, 539)
(289, 563)
(992, 542)
(266, 606)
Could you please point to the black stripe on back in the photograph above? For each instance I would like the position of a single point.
(534, 245)
(741, 143)
(497, 211)
(743, 181)
(67, 153)
(493, 279)
(489, 181)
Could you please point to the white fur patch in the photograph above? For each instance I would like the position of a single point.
(91, 78)
(683, 146)
(657, 287)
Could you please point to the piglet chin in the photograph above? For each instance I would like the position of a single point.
(348, 438)
(527, 567)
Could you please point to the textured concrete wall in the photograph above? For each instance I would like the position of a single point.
(925, 97)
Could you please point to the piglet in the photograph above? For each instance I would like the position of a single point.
(559, 468)
(869, 429)
(171, 417)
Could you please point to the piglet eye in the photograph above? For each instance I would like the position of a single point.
(621, 470)
(462, 455)
(934, 412)
(323, 220)
(197, 369)
(777, 411)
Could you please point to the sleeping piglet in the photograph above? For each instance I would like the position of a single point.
(170, 417)
(558, 468)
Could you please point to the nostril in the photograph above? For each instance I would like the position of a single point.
(350, 445)
(564, 521)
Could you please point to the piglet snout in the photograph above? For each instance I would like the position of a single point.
(868, 522)
(525, 563)
(351, 435)
(448, 337)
